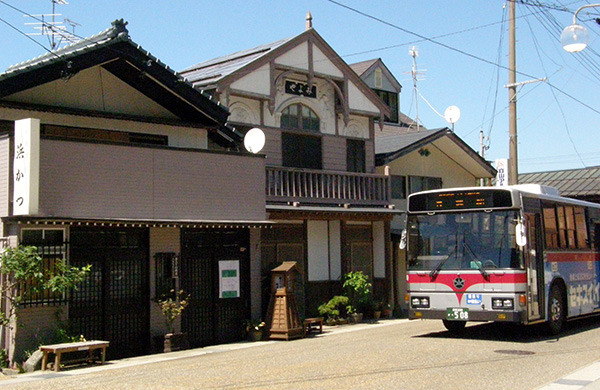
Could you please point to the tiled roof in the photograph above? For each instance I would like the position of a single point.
(570, 182)
(117, 32)
(209, 72)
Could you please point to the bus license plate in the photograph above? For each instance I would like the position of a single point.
(457, 314)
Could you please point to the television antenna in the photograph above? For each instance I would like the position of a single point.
(47, 25)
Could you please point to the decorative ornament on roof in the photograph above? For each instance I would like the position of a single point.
(308, 21)
(119, 29)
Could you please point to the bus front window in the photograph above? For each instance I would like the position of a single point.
(465, 240)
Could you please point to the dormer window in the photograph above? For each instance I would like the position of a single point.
(299, 117)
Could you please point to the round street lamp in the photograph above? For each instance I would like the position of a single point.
(575, 37)
(254, 140)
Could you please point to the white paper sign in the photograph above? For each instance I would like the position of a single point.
(26, 167)
(229, 279)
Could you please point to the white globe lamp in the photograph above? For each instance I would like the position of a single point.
(574, 38)
(254, 140)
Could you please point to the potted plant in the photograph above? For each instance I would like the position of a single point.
(358, 290)
(255, 329)
(334, 309)
(172, 307)
(386, 310)
(377, 308)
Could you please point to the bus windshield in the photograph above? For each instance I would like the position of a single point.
(465, 240)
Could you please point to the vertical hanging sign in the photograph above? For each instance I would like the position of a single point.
(229, 279)
(502, 175)
(26, 167)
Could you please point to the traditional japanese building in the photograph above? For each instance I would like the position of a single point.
(110, 158)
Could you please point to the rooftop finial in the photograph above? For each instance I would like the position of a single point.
(308, 21)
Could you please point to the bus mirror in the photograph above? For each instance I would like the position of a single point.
(520, 234)
(402, 244)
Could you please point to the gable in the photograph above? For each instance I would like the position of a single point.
(94, 89)
(307, 56)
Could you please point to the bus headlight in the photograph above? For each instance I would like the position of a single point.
(503, 303)
(419, 302)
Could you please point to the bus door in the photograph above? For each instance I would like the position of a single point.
(533, 254)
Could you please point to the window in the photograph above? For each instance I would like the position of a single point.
(398, 184)
(551, 230)
(52, 248)
(391, 100)
(424, 183)
(167, 273)
(80, 133)
(301, 151)
(565, 227)
(299, 117)
(355, 155)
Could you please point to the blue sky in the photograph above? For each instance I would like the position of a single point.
(558, 121)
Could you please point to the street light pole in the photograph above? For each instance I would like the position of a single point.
(512, 97)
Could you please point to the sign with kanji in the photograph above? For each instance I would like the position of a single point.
(502, 175)
(301, 89)
(26, 167)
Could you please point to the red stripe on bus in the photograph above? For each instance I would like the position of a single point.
(470, 279)
(561, 257)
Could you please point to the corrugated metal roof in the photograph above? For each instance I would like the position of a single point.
(210, 72)
(386, 144)
(361, 67)
(570, 182)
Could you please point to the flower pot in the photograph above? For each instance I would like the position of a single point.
(176, 342)
(256, 335)
(377, 314)
(355, 318)
(386, 313)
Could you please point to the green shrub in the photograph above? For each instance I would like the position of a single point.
(335, 308)
(358, 289)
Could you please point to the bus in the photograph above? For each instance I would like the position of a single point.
(520, 254)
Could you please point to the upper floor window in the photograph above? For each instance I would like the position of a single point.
(299, 117)
(391, 100)
(423, 183)
(355, 155)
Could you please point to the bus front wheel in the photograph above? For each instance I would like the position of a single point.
(557, 310)
(454, 326)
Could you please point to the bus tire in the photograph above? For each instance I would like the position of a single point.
(454, 326)
(557, 310)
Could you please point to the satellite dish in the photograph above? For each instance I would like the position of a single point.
(452, 114)
(254, 140)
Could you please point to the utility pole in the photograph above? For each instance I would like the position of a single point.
(512, 98)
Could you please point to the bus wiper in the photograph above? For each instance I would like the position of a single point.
(434, 272)
(476, 261)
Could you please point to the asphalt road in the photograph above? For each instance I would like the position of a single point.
(396, 355)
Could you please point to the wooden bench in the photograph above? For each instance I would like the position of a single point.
(311, 324)
(59, 349)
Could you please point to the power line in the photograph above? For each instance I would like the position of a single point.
(459, 51)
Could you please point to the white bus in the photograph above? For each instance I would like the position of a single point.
(518, 254)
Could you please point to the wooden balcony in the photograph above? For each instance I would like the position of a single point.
(327, 187)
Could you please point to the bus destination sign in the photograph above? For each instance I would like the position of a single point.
(457, 200)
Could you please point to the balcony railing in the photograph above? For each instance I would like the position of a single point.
(326, 187)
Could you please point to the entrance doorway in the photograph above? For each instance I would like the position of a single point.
(215, 272)
(113, 302)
